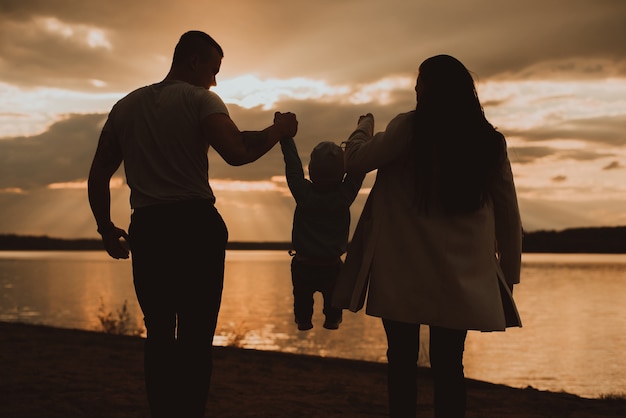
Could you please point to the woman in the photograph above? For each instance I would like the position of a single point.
(439, 240)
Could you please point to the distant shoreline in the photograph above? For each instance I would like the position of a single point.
(11, 242)
(596, 240)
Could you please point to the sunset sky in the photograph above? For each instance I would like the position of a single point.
(551, 76)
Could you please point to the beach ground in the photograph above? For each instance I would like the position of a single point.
(60, 373)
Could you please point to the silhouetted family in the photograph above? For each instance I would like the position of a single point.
(438, 242)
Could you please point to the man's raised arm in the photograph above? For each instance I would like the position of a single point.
(242, 147)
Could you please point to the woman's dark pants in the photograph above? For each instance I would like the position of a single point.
(446, 359)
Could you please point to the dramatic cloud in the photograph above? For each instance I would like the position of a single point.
(61, 154)
(64, 43)
(604, 130)
(551, 77)
(613, 165)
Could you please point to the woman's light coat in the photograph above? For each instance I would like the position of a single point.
(443, 270)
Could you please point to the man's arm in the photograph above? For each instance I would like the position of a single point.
(106, 161)
(242, 147)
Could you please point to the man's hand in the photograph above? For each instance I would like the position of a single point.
(286, 123)
(113, 245)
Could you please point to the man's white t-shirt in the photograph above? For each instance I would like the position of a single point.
(158, 129)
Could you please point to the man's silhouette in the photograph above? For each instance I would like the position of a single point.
(162, 133)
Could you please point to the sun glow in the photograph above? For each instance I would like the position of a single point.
(12, 190)
(276, 184)
(88, 35)
(115, 183)
(534, 103)
(381, 90)
(27, 112)
(249, 91)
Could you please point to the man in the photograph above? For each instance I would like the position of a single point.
(162, 133)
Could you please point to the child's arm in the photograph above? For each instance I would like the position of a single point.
(293, 168)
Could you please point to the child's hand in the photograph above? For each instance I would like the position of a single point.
(368, 115)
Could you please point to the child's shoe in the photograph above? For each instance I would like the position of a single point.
(304, 325)
(332, 324)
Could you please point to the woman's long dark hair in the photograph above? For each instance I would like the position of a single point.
(457, 150)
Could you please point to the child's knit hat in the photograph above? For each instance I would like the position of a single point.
(326, 165)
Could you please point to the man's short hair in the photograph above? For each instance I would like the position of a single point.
(194, 42)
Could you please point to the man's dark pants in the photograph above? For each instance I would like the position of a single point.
(178, 252)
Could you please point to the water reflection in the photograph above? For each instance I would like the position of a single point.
(573, 308)
(257, 312)
(574, 317)
(64, 288)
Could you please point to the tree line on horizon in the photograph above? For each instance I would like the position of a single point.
(14, 242)
(597, 240)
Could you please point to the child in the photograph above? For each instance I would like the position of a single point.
(321, 225)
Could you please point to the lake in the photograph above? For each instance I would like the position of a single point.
(573, 307)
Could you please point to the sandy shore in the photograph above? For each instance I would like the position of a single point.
(49, 372)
